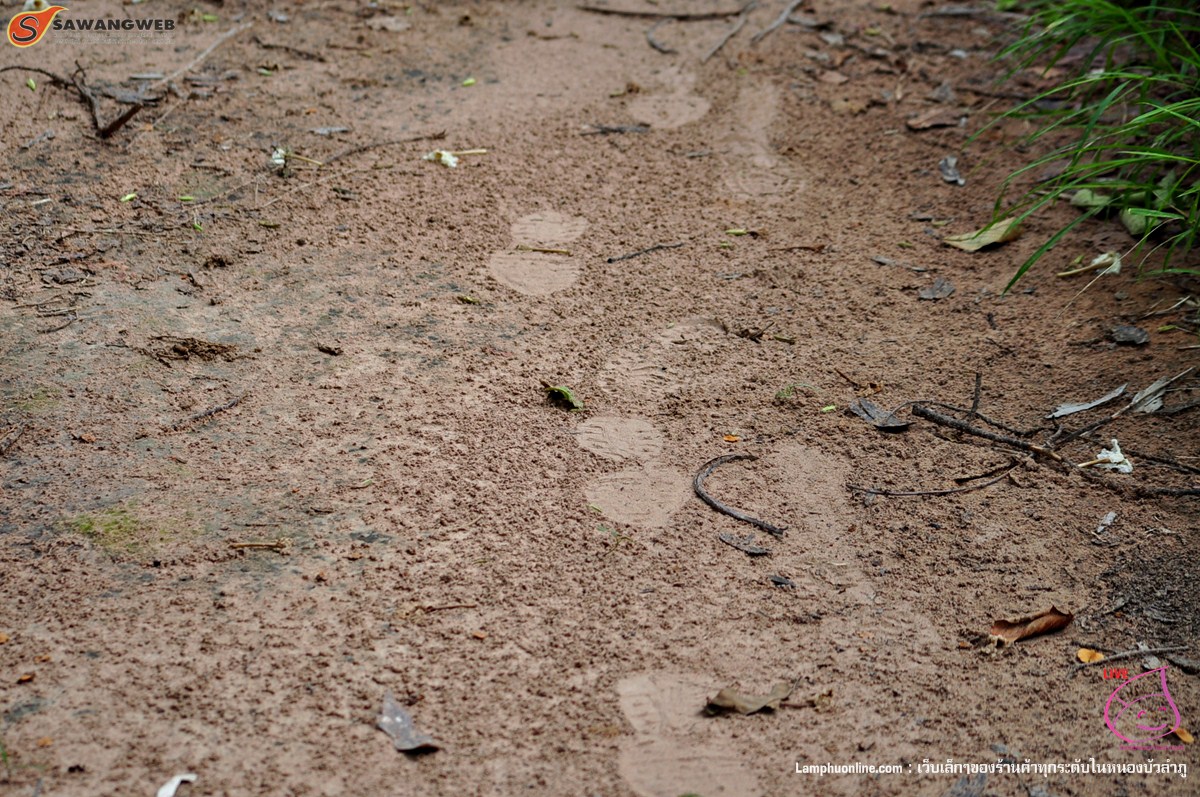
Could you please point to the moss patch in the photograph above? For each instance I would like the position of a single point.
(121, 530)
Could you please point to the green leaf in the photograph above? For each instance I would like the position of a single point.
(32, 84)
(129, 197)
(563, 396)
(995, 233)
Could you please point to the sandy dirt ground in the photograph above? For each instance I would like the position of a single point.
(345, 361)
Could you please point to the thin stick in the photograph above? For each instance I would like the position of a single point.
(1128, 654)
(737, 514)
(207, 413)
(734, 29)
(366, 147)
(11, 439)
(782, 18)
(655, 43)
(543, 250)
(645, 251)
(447, 606)
(975, 398)
(300, 188)
(604, 130)
(277, 545)
(681, 16)
(288, 49)
(907, 493)
(922, 411)
(224, 37)
(119, 122)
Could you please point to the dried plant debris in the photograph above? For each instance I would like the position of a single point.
(174, 348)
(948, 167)
(1150, 398)
(730, 699)
(1046, 622)
(398, 725)
(1128, 335)
(940, 289)
(1111, 458)
(1089, 656)
(744, 544)
(996, 233)
(878, 417)
(1070, 408)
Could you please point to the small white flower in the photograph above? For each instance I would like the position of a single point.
(447, 159)
(1111, 260)
(1113, 459)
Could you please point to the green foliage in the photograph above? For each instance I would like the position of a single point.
(1124, 118)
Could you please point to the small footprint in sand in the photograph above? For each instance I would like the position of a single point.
(753, 171)
(539, 273)
(675, 750)
(643, 495)
(620, 438)
(675, 107)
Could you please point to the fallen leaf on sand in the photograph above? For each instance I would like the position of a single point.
(730, 699)
(398, 725)
(1182, 734)
(833, 78)
(562, 396)
(1150, 398)
(996, 233)
(1024, 627)
(875, 415)
(3, 637)
(1089, 656)
(169, 788)
(1064, 410)
(935, 117)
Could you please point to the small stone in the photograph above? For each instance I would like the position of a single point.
(1129, 335)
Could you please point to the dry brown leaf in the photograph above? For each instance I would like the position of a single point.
(1182, 734)
(730, 699)
(833, 78)
(1024, 627)
(25, 678)
(45, 741)
(940, 116)
(3, 637)
(999, 232)
(1089, 656)
(731, 438)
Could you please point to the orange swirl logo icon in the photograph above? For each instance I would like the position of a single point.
(28, 27)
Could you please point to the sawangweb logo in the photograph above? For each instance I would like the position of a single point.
(28, 27)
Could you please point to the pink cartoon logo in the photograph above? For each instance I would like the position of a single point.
(1141, 713)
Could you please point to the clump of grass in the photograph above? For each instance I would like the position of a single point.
(1124, 118)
